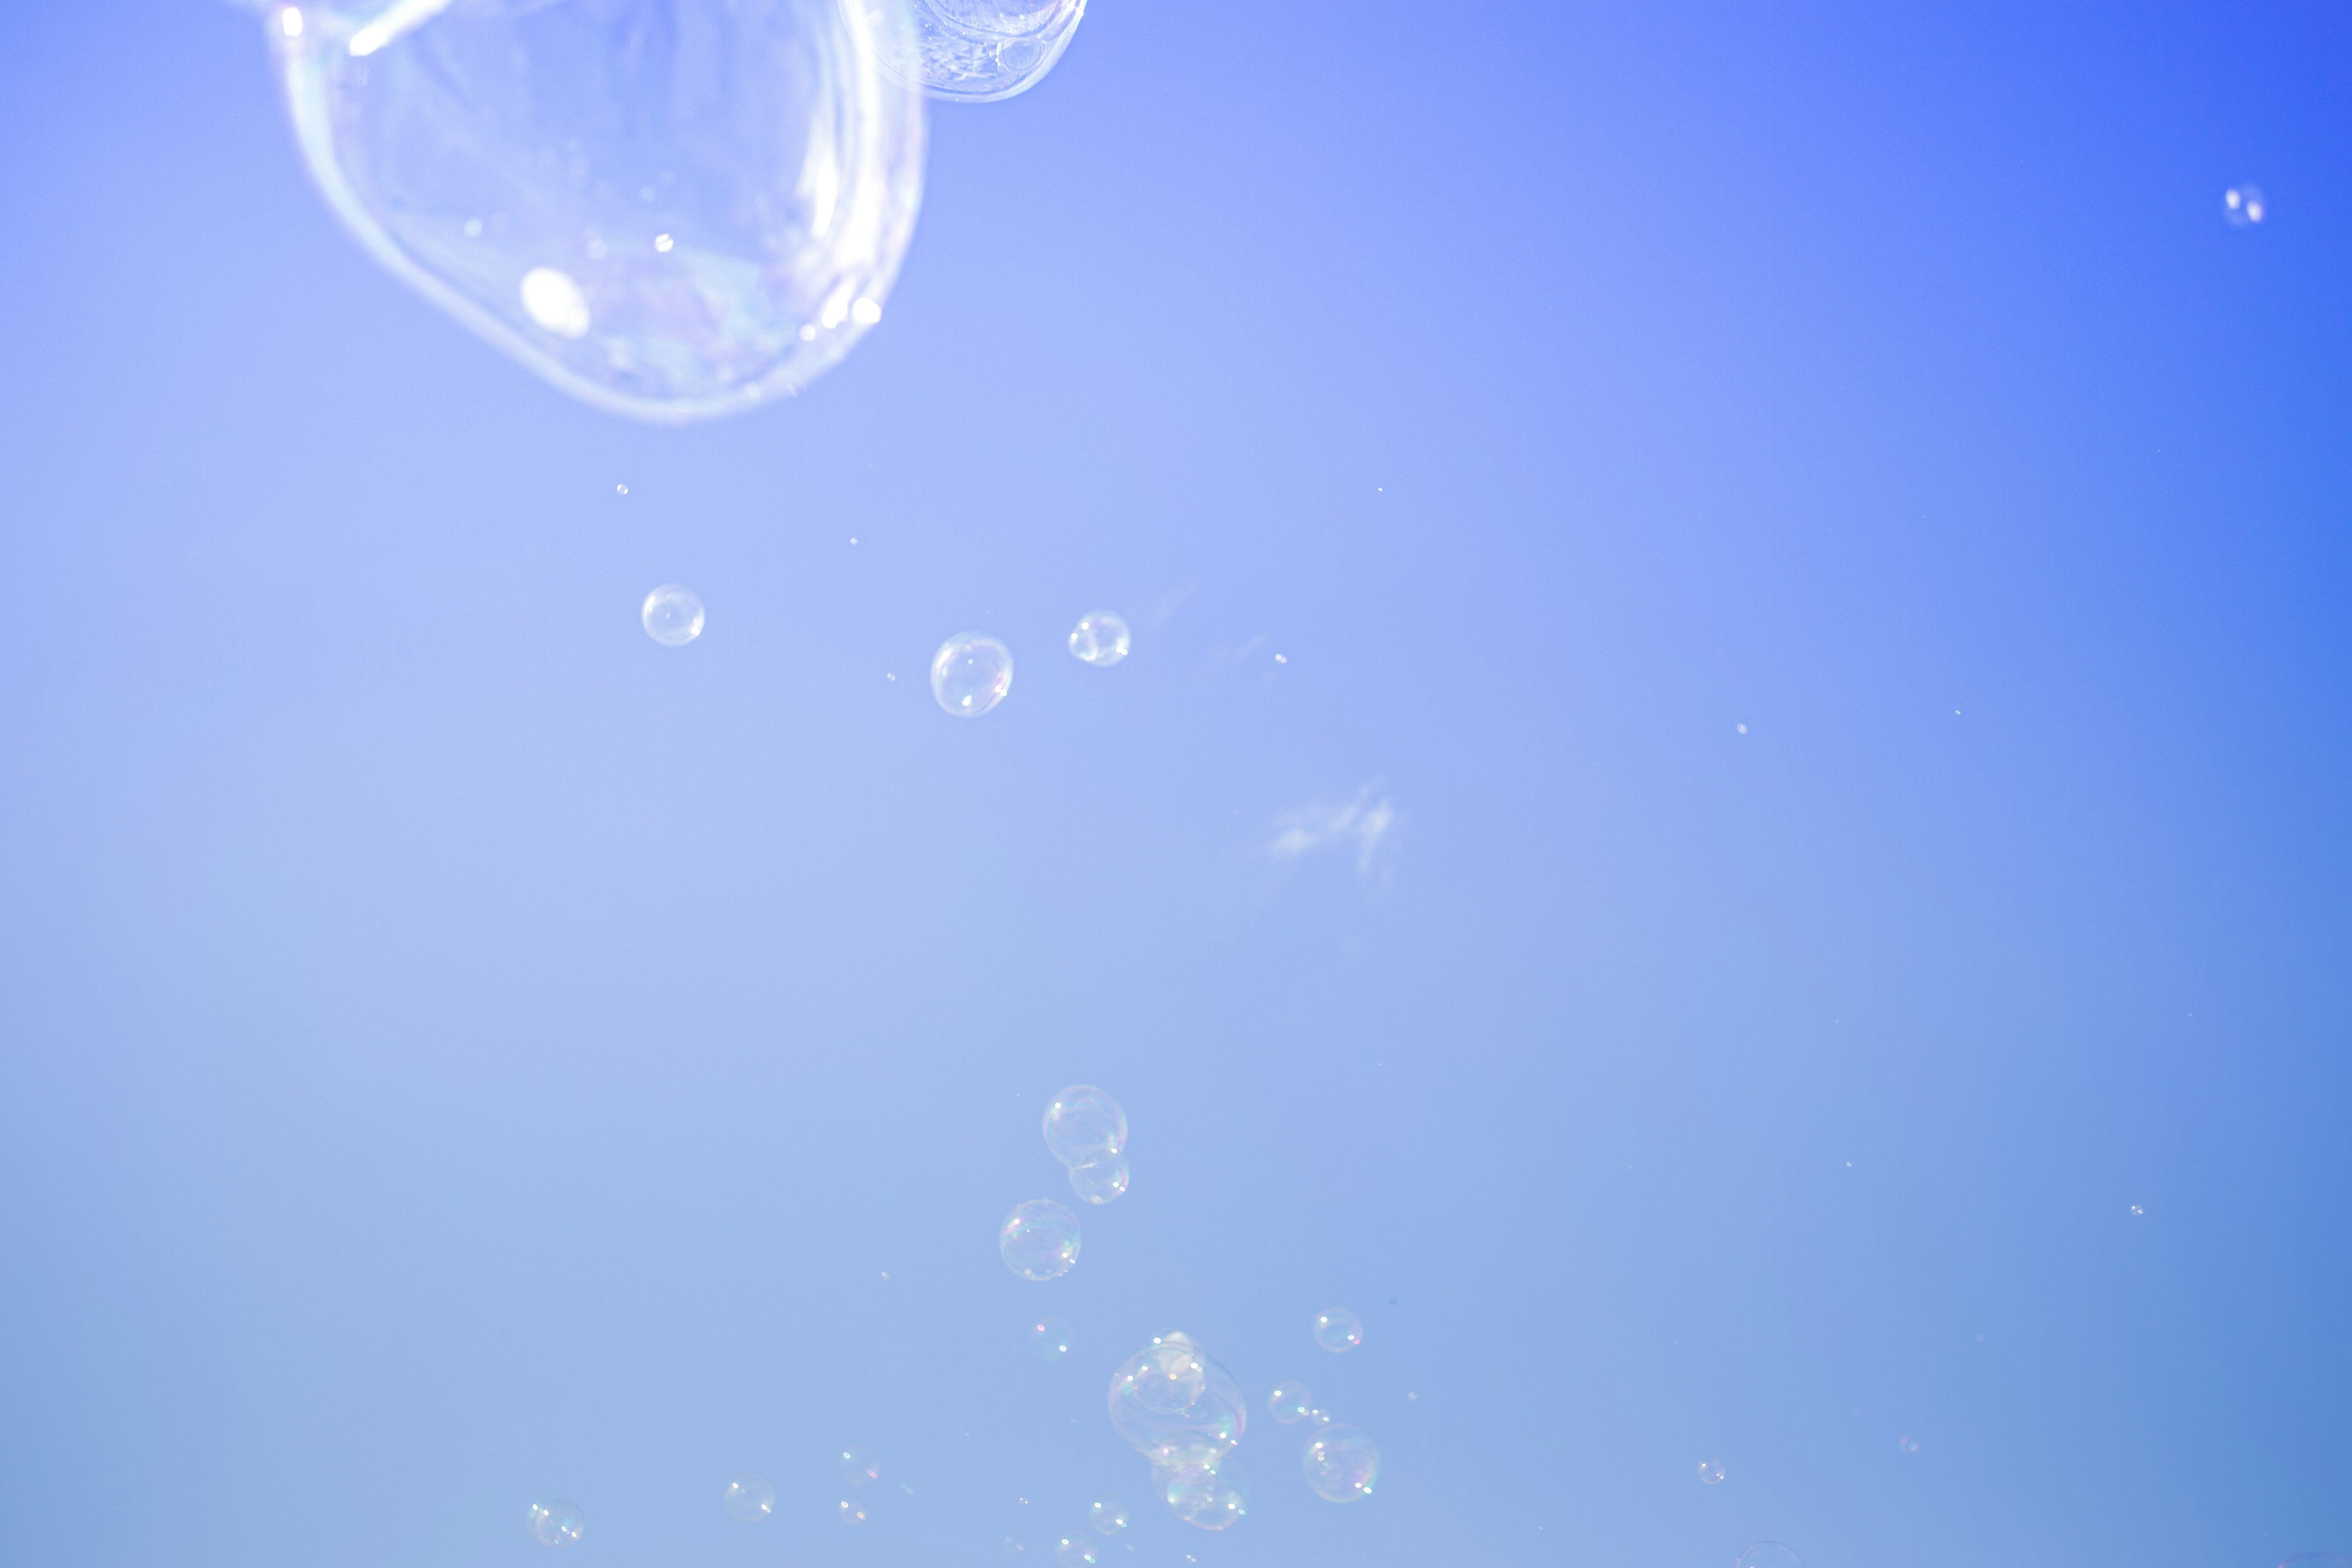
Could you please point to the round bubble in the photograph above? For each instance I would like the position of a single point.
(851, 1512)
(1906, 1445)
(858, 1466)
(1289, 1402)
(1101, 638)
(2243, 204)
(1039, 1239)
(673, 615)
(555, 1522)
(1099, 1181)
(1342, 1464)
(1075, 1553)
(669, 209)
(1049, 1339)
(1083, 1123)
(970, 674)
(1176, 1406)
(1339, 1330)
(1710, 1472)
(1768, 1554)
(1210, 1497)
(751, 1496)
(976, 50)
(1107, 1516)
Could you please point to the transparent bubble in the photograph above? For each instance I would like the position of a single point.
(2243, 204)
(1289, 1402)
(1101, 638)
(751, 1496)
(976, 51)
(1342, 1464)
(1210, 1497)
(1049, 1339)
(1906, 1445)
(1039, 1239)
(1339, 1330)
(555, 1522)
(669, 209)
(673, 615)
(1710, 1472)
(858, 1466)
(851, 1512)
(1100, 1180)
(1075, 1553)
(1768, 1554)
(970, 674)
(1107, 1515)
(1083, 1123)
(1176, 1406)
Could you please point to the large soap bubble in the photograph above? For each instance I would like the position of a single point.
(1176, 1406)
(669, 209)
(1342, 1464)
(975, 51)
(1083, 1123)
(1039, 1239)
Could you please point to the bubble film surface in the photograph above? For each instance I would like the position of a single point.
(1039, 1240)
(975, 52)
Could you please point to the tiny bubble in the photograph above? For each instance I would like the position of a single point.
(852, 539)
(621, 489)
(1743, 729)
(1280, 659)
(890, 678)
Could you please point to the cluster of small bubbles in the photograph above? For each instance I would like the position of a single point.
(975, 51)
(1289, 1402)
(1075, 1553)
(556, 1522)
(1087, 1131)
(1710, 1472)
(1183, 1412)
(1106, 1516)
(751, 1496)
(1906, 1445)
(1342, 1464)
(1339, 1330)
(858, 1466)
(1039, 1239)
(1101, 638)
(1768, 1554)
(1049, 1339)
(672, 614)
(2242, 204)
(970, 674)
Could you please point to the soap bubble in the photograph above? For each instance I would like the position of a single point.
(555, 1522)
(751, 1496)
(1339, 1330)
(1289, 1402)
(1710, 1472)
(970, 674)
(1101, 638)
(1049, 1339)
(1768, 1554)
(1039, 1239)
(1906, 1445)
(976, 51)
(1342, 1464)
(1107, 1516)
(850, 1512)
(2242, 204)
(1083, 1123)
(1210, 1497)
(1176, 1406)
(1101, 1180)
(673, 615)
(1075, 1552)
(669, 209)
(858, 1466)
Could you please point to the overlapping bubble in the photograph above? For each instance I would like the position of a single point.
(975, 52)
(1086, 1130)
(1183, 1412)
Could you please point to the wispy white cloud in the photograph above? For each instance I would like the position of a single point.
(1366, 822)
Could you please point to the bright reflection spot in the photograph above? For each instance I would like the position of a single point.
(289, 22)
(865, 312)
(553, 299)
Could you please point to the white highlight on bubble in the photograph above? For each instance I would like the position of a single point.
(554, 297)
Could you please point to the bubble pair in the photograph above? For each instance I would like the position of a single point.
(973, 672)
(1342, 1463)
(1086, 1130)
(1105, 1517)
(1181, 1410)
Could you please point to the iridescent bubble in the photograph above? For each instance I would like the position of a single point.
(673, 615)
(1039, 1239)
(1083, 1123)
(1209, 1497)
(556, 1522)
(858, 1466)
(1768, 1554)
(751, 1496)
(977, 50)
(1342, 1464)
(1906, 1445)
(1289, 1402)
(1339, 1330)
(1710, 1472)
(1049, 1339)
(1176, 1406)
(1075, 1553)
(851, 1512)
(1101, 638)
(1107, 1515)
(2243, 204)
(669, 209)
(970, 674)
(1099, 1181)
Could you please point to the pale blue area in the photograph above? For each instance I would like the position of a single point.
(453, 1049)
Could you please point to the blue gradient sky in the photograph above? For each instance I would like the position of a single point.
(454, 1050)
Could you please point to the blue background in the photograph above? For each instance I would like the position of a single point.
(456, 1051)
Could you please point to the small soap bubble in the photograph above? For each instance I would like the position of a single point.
(977, 51)
(1906, 1445)
(2138, 1210)
(970, 674)
(1208, 1496)
(850, 1512)
(1768, 1554)
(1339, 1330)
(1710, 1472)
(556, 1522)
(1039, 1239)
(1289, 1402)
(1049, 1339)
(1101, 638)
(1083, 1123)
(1342, 1464)
(2242, 204)
(858, 1466)
(751, 1496)
(1099, 1181)
(1107, 1516)
(673, 615)
(1075, 1552)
